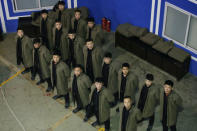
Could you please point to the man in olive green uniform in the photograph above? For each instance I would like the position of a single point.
(73, 49)
(46, 24)
(129, 115)
(112, 83)
(99, 105)
(24, 48)
(148, 100)
(60, 74)
(107, 59)
(80, 85)
(94, 32)
(93, 57)
(127, 83)
(79, 25)
(170, 106)
(61, 14)
(41, 61)
(59, 36)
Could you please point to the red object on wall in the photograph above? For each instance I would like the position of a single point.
(104, 23)
(108, 26)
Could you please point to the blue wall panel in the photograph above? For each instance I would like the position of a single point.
(93, 7)
(193, 67)
(135, 12)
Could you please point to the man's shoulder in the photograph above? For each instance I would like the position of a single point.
(132, 75)
(82, 21)
(25, 37)
(97, 28)
(175, 95)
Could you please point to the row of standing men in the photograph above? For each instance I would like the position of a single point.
(69, 56)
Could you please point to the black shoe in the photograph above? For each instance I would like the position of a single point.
(67, 105)
(76, 110)
(40, 82)
(57, 97)
(32, 78)
(95, 123)
(149, 128)
(49, 89)
(106, 129)
(117, 110)
(85, 119)
(26, 71)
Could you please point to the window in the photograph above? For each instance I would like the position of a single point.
(180, 26)
(192, 36)
(30, 5)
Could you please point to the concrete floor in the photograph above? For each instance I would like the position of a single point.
(34, 111)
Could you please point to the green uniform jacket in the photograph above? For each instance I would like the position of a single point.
(105, 98)
(84, 84)
(27, 48)
(174, 106)
(81, 28)
(113, 77)
(44, 61)
(134, 116)
(65, 18)
(97, 35)
(63, 46)
(152, 100)
(131, 84)
(50, 24)
(78, 50)
(97, 58)
(63, 74)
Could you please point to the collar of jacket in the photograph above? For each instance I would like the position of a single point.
(79, 76)
(72, 39)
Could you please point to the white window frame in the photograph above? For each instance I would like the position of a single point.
(187, 30)
(15, 10)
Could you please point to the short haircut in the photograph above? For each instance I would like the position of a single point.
(169, 82)
(71, 31)
(99, 79)
(125, 65)
(57, 21)
(91, 19)
(61, 3)
(79, 66)
(127, 97)
(57, 52)
(89, 40)
(19, 28)
(108, 55)
(36, 40)
(78, 11)
(150, 77)
(44, 11)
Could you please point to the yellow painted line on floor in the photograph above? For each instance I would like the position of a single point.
(101, 129)
(12, 77)
(60, 121)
